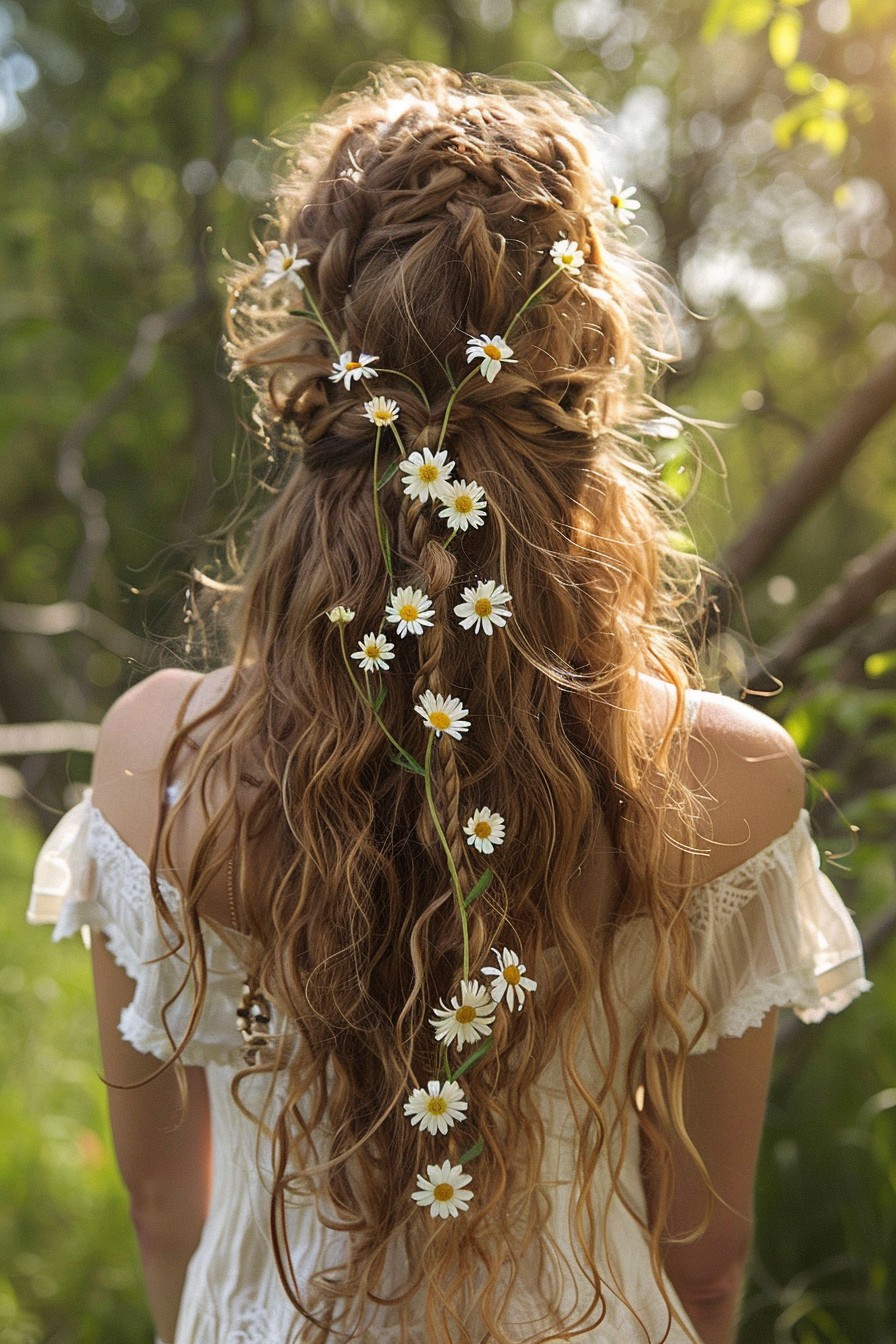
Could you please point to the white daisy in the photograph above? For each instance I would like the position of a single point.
(623, 202)
(484, 830)
(374, 653)
(347, 369)
(484, 607)
(283, 263)
(436, 1107)
(465, 504)
(510, 978)
(493, 351)
(443, 714)
(410, 609)
(442, 1191)
(468, 1018)
(381, 411)
(425, 474)
(341, 615)
(567, 256)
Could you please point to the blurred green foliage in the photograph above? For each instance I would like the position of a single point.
(760, 135)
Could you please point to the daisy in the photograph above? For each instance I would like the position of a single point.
(374, 653)
(381, 411)
(443, 714)
(436, 1107)
(347, 369)
(425, 474)
(442, 1190)
(464, 504)
(510, 979)
(410, 609)
(622, 202)
(341, 615)
(283, 263)
(465, 1021)
(484, 607)
(484, 830)
(493, 351)
(567, 256)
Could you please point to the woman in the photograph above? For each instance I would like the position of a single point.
(513, 903)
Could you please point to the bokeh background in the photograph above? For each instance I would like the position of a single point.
(134, 151)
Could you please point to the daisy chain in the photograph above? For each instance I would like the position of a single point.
(442, 1190)
(510, 978)
(470, 1016)
(436, 1107)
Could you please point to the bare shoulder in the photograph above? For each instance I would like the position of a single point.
(134, 738)
(748, 776)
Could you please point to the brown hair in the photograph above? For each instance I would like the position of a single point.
(425, 205)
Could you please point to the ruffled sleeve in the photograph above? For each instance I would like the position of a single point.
(771, 933)
(86, 876)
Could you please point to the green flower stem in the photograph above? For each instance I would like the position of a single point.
(455, 878)
(531, 299)
(377, 516)
(367, 701)
(317, 313)
(408, 379)
(450, 537)
(451, 400)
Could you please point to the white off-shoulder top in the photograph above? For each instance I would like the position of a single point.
(769, 933)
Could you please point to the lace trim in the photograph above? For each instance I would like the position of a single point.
(716, 902)
(790, 989)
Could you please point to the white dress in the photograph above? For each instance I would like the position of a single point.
(771, 932)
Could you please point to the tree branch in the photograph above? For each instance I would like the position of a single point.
(60, 618)
(826, 456)
(862, 582)
(36, 739)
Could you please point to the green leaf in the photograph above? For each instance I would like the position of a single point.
(800, 77)
(878, 664)
(749, 16)
(303, 312)
(481, 885)
(378, 699)
(473, 1059)
(784, 36)
(387, 475)
(715, 19)
(408, 763)
(471, 1153)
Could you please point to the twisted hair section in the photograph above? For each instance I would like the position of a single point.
(425, 205)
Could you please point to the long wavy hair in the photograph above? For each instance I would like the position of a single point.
(425, 205)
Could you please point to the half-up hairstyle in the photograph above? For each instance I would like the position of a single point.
(425, 206)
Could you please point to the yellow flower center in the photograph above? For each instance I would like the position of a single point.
(440, 721)
(466, 1014)
(287, 263)
(372, 650)
(442, 1193)
(353, 364)
(482, 829)
(428, 472)
(463, 504)
(493, 351)
(437, 1105)
(408, 612)
(482, 606)
(382, 417)
(511, 974)
(615, 201)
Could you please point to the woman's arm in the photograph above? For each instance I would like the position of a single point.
(164, 1153)
(725, 1095)
(163, 1149)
